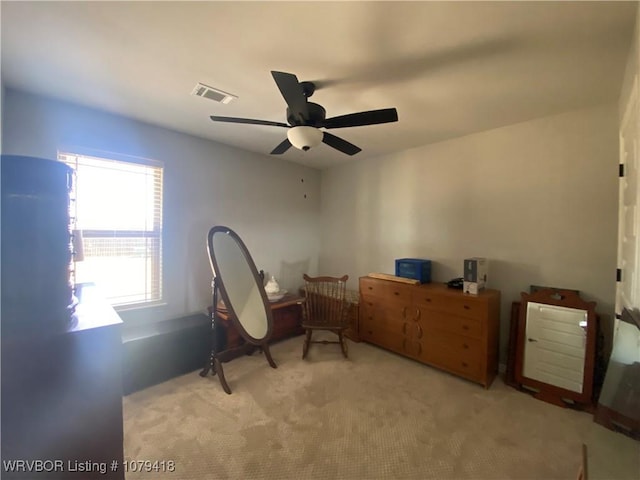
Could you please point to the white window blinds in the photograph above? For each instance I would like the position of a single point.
(118, 210)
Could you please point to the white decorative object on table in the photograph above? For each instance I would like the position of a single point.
(274, 297)
(273, 290)
(272, 286)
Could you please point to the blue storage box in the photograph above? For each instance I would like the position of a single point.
(416, 268)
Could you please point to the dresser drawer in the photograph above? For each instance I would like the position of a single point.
(385, 291)
(462, 305)
(464, 347)
(393, 310)
(404, 345)
(393, 307)
(443, 322)
(375, 310)
(383, 337)
(455, 353)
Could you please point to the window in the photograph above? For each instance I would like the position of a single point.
(117, 207)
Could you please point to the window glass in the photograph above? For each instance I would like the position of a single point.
(117, 206)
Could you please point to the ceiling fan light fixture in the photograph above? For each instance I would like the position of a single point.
(305, 118)
(304, 137)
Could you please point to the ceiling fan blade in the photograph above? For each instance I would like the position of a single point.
(372, 117)
(340, 144)
(293, 94)
(283, 147)
(248, 120)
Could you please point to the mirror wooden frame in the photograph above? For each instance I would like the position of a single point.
(219, 356)
(553, 393)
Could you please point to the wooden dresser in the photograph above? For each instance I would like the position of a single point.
(62, 397)
(442, 327)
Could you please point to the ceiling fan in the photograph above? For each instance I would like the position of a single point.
(307, 118)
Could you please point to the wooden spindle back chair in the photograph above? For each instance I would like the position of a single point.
(325, 308)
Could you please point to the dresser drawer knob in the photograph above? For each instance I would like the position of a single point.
(465, 327)
(396, 293)
(467, 307)
(427, 299)
(465, 346)
(465, 364)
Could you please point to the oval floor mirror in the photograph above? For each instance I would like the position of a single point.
(237, 281)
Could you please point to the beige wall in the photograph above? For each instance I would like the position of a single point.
(261, 198)
(538, 199)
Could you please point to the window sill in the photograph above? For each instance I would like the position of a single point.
(139, 306)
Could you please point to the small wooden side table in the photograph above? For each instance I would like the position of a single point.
(287, 320)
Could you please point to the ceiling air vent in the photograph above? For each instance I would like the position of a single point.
(202, 90)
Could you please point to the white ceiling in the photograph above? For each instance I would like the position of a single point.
(450, 68)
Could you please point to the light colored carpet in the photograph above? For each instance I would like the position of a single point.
(374, 416)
